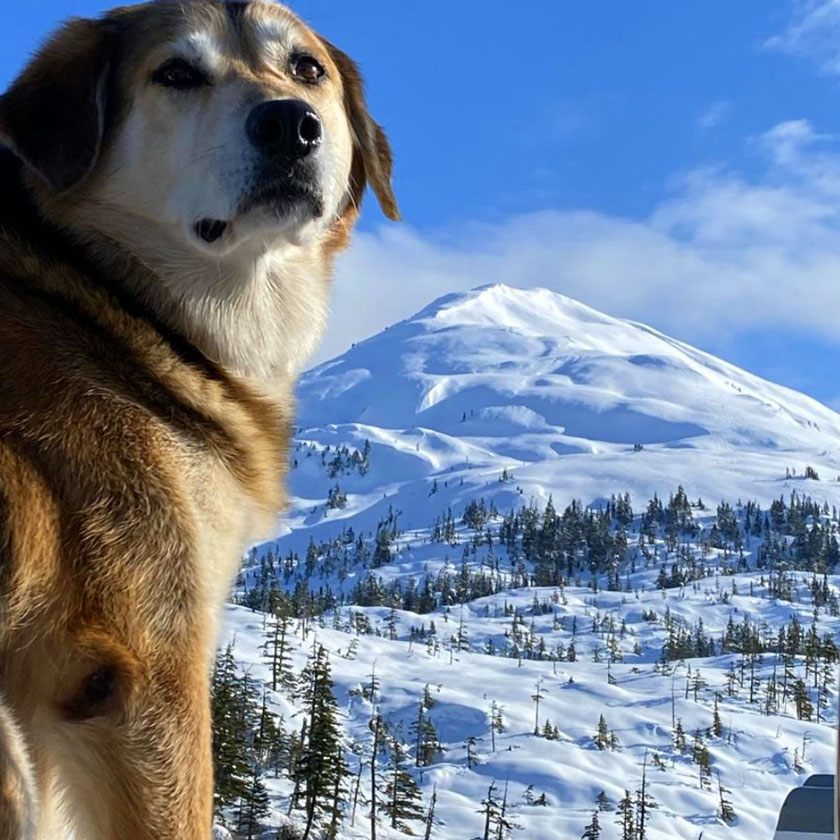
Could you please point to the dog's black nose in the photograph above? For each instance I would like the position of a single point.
(284, 127)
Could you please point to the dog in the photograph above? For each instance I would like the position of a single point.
(176, 179)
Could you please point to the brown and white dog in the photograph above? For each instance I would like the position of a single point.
(176, 180)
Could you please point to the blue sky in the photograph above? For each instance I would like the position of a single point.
(676, 163)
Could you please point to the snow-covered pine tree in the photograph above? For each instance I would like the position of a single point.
(717, 723)
(278, 654)
(537, 697)
(497, 724)
(271, 743)
(321, 767)
(602, 736)
(603, 802)
(697, 684)
(382, 552)
(802, 701)
(725, 810)
(430, 815)
(593, 830)
(679, 737)
(253, 806)
(504, 826)
(379, 730)
(703, 760)
(427, 745)
(626, 817)
(403, 801)
(469, 746)
(645, 803)
(232, 712)
(490, 810)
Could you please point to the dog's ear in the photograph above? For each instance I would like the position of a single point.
(53, 115)
(372, 159)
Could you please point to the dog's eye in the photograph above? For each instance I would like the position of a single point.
(179, 74)
(93, 696)
(307, 69)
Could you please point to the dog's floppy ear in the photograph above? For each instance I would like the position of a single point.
(372, 159)
(53, 115)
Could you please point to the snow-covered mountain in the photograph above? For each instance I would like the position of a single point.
(528, 382)
(515, 370)
(514, 397)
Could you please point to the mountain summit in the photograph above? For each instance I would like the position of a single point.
(573, 400)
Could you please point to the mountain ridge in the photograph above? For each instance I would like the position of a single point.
(500, 380)
(517, 312)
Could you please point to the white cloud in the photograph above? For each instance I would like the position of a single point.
(716, 114)
(719, 255)
(813, 33)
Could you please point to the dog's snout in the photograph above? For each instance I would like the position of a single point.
(284, 128)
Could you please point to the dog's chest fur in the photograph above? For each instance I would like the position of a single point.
(149, 468)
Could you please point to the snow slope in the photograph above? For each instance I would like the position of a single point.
(755, 758)
(513, 396)
(558, 394)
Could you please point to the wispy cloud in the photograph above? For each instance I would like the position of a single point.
(813, 33)
(716, 114)
(720, 255)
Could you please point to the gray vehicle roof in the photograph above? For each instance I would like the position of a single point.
(824, 780)
(808, 809)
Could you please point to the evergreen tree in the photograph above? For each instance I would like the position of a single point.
(537, 697)
(426, 739)
(645, 803)
(253, 806)
(702, 758)
(593, 830)
(679, 737)
(602, 736)
(503, 825)
(379, 729)
(626, 817)
(469, 745)
(430, 815)
(603, 802)
(232, 713)
(717, 723)
(697, 684)
(382, 552)
(270, 744)
(726, 812)
(802, 701)
(321, 767)
(497, 724)
(277, 651)
(490, 810)
(403, 801)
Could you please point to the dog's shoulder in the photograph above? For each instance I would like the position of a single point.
(87, 369)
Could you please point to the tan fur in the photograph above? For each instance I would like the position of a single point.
(145, 402)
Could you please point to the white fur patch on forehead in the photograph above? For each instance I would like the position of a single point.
(275, 35)
(201, 46)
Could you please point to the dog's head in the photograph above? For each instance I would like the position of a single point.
(221, 122)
